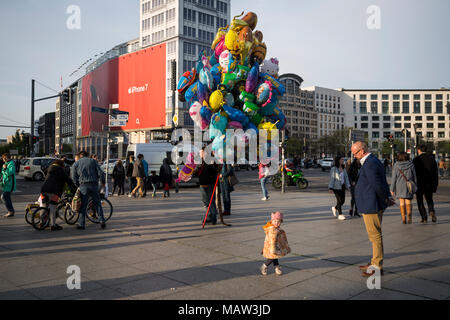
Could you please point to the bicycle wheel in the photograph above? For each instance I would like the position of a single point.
(92, 211)
(28, 216)
(40, 218)
(70, 216)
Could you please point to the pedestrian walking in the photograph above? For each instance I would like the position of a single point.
(54, 185)
(118, 176)
(166, 177)
(129, 169)
(145, 165)
(226, 187)
(404, 185)
(275, 244)
(155, 182)
(353, 173)
(442, 167)
(207, 174)
(8, 183)
(86, 174)
(338, 183)
(372, 198)
(263, 173)
(139, 175)
(427, 183)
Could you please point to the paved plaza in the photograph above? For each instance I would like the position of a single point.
(156, 249)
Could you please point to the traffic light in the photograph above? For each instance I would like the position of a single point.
(66, 96)
(173, 66)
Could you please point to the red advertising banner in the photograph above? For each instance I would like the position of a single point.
(142, 87)
(99, 90)
(136, 81)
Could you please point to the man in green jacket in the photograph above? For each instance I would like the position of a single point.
(8, 183)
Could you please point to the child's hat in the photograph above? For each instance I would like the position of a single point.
(277, 216)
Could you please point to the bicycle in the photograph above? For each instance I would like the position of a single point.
(72, 217)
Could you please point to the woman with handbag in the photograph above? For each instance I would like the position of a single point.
(339, 182)
(404, 185)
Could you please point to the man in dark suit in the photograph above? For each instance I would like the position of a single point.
(427, 182)
(372, 198)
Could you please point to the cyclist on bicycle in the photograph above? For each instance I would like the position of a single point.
(51, 191)
(86, 173)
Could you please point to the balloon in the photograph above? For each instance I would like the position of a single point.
(216, 101)
(236, 115)
(188, 169)
(202, 93)
(191, 93)
(279, 89)
(207, 79)
(186, 80)
(271, 67)
(252, 78)
(194, 112)
(216, 72)
(252, 20)
(232, 42)
(235, 125)
(265, 129)
(269, 108)
(206, 114)
(264, 94)
(218, 124)
(227, 62)
(229, 99)
(218, 146)
(279, 116)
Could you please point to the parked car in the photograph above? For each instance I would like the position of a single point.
(112, 163)
(33, 168)
(326, 163)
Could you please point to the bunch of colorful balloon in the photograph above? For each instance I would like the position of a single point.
(234, 88)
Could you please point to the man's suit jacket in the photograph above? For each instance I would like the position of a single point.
(372, 190)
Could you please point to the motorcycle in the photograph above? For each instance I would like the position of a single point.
(293, 178)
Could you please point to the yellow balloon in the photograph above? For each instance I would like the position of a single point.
(216, 101)
(269, 126)
(232, 42)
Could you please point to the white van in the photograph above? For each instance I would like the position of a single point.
(155, 153)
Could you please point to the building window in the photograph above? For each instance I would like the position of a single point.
(419, 118)
(430, 125)
(397, 126)
(396, 97)
(430, 135)
(362, 107)
(405, 107)
(441, 134)
(396, 108)
(385, 97)
(441, 125)
(375, 125)
(365, 118)
(386, 118)
(406, 97)
(374, 107)
(439, 107)
(428, 97)
(361, 97)
(428, 106)
(375, 135)
(385, 107)
(364, 125)
(439, 97)
(386, 125)
(417, 97)
(374, 97)
(416, 106)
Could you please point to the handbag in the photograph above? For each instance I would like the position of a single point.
(410, 185)
(76, 202)
(233, 180)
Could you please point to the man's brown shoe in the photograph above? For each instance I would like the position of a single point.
(364, 268)
(367, 274)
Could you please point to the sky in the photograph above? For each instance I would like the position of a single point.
(327, 42)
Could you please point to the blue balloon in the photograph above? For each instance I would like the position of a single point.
(191, 93)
